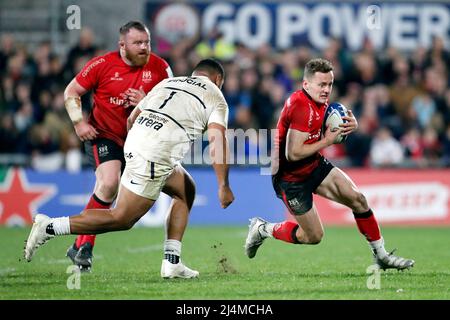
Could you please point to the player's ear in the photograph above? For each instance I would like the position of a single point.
(219, 81)
(305, 83)
(121, 43)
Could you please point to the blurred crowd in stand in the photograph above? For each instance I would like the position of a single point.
(401, 99)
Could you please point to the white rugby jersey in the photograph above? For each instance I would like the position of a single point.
(175, 113)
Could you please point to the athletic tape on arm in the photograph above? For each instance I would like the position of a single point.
(73, 107)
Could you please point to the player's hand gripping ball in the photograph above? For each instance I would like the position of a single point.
(333, 117)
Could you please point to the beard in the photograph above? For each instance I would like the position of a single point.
(137, 59)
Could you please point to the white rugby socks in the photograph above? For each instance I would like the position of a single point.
(378, 246)
(61, 226)
(172, 250)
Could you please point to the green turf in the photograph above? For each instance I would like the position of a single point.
(126, 266)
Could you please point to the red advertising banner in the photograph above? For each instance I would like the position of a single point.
(396, 197)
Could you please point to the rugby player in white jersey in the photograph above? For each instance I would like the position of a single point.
(161, 130)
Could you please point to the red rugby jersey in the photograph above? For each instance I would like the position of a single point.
(109, 77)
(301, 113)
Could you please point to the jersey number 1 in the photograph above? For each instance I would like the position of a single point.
(167, 100)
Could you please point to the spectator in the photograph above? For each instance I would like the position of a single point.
(446, 148)
(85, 48)
(45, 154)
(385, 150)
(431, 146)
(7, 48)
(238, 102)
(7, 94)
(357, 146)
(23, 118)
(263, 107)
(215, 45)
(9, 135)
(412, 143)
(365, 70)
(424, 109)
(385, 111)
(288, 70)
(398, 90)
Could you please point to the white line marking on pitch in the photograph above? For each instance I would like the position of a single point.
(153, 247)
(6, 271)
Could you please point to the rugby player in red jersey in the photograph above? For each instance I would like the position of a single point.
(119, 80)
(299, 170)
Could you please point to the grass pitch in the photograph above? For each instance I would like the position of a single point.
(127, 266)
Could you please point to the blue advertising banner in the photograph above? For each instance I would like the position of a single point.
(286, 24)
(397, 196)
(23, 193)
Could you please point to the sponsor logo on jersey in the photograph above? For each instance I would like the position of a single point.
(117, 101)
(91, 66)
(146, 76)
(150, 122)
(122, 101)
(191, 81)
(116, 77)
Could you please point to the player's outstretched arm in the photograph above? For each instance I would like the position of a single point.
(72, 102)
(218, 151)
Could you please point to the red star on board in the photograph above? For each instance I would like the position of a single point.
(19, 199)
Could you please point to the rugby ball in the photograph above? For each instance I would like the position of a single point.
(333, 117)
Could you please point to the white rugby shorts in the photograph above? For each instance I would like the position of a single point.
(143, 177)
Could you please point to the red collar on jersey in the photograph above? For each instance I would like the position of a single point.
(319, 105)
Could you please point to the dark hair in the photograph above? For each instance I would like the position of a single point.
(132, 25)
(317, 65)
(211, 66)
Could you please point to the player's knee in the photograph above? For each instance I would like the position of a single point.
(316, 238)
(313, 237)
(109, 186)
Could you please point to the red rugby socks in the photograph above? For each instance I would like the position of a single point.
(94, 203)
(368, 225)
(285, 231)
